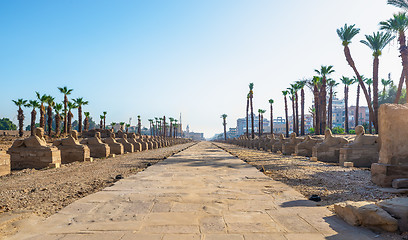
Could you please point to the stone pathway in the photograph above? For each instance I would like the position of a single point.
(201, 193)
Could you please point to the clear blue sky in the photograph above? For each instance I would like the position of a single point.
(154, 58)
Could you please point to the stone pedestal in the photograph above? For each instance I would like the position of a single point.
(393, 138)
(329, 149)
(97, 148)
(4, 163)
(33, 152)
(72, 150)
(305, 148)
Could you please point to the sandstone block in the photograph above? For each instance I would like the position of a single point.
(4, 163)
(329, 149)
(400, 183)
(398, 208)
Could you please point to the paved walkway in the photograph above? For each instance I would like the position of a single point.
(202, 193)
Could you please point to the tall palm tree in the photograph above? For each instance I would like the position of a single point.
(64, 90)
(399, 3)
(347, 82)
(122, 125)
(262, 113)
(86, 121)
(171, 125)
(42, 99)
(175, 127)
(112, 125)
(316, 86)
(376, 42)
(80, 102)
(156, 126)
(224, 123)
(369, 82)
(33, 104)
(259, 122)
(151, 126)
(71, 106)
(331, 83)
(251, 96)
(285, 93)
(385, 83)
(271, 103)
(295, 88)
(20, 114)
(104, 119)
(347, 33)
(247, 119)
(139, 125)
(57, 109)
(301, 84)
(51, 103)
(323, 72)
(356, 112)
(101, 122)
(292, 98)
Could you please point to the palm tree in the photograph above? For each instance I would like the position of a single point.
(104, 119)
(66, 92)
(101, 122)
(151, 126)
(356, 112)
(347, 33)
(399, 3)
(316, 85)
(20, 115)
(295, 88)
(247, 119)
(271, 103)
(86, 121)
(50, 102)
(112, 124)
(121, 124)
(259, 122)
(70, 115)
(262, 113)
(301, 84)
(376, 43)
(139, 125)
(286, 111)
(224, 119)
(80, 102)
(331, 83)
(369, 82)
(385, 83)
(251, 96)
(34, 104)
(347, 82)
(292, 98)
(57, 109)
(171, 125)
(42, 99)
(323, 72)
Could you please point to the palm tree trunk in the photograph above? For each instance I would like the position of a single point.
(65, 114)
(317, 111)
(225, 130)
(346, 118)
(297, 113)
(20, 117)
(33, 116)
(42, 113)
(57, 124)
(287, 117)
(247, 120)
(350, 61)
(401, 82)
(302, 112)
(259, 124)
(370, 121)
(101, 124)
(49, 114)
(330, 109)
(252, 118)
(356, 115)
(104, 122)
(323, 110)
(79, 118)
(271, 120)
(293, 114)
(70, 115)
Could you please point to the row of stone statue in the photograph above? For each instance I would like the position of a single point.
(362, 152)
(35, 152)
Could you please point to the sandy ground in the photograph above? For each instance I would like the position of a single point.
(43, 192)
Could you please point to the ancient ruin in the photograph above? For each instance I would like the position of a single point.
(115, 147)
(305, 148)
(4, 163)
(127, 146)
(289, 147)
(329, 149)
(137, 146)
(72, 150)
(97, 148)
(362, 152)
(34, 152)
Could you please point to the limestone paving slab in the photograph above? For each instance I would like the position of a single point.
(201, 193)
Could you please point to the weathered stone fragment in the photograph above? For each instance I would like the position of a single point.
(400, 183)
(4, 163)
(137, 146)
(33, 152)
(329, 149)
(398, 208)
(393, 137)
(277, 146)
(289, 147)
(305, 148)
(72, 150)
(128, 147)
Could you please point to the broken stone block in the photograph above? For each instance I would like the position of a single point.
(329, 149)
(393, 138)
(362, 152)
(137, 146)
(305, 148)
(97, 148)
(348, 164)
(366, 214)
(4, 163)
(115, 147)
(398, 208)
(128, 147)
(33, 152)
(72, 150)
(400, 183)
(289, 147)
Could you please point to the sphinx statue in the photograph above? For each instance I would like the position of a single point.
(329, 149)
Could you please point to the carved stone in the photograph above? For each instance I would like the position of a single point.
(72, 150)
(115, 147)
(97, 148)
(289, 147)
(277, 146)
(128, 147)
(137, 146)
(305, 148)
(4, 163)
(329, 149)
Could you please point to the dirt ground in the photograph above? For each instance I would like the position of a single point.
(43, 192)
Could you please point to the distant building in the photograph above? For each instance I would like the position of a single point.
(241, 124)
(193, 135)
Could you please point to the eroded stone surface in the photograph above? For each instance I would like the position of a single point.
(4, 163)
(398, 208)
(72, 150)
(97, 148)
(329, 149)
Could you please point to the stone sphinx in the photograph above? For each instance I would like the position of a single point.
(34, 152)
(145, 145)
(137, 146)
(5, 167)
(72, 150)
(115, 147)
(289, 147)
(97, 148)
(329, 149)
(363, 151)
(305, 148)
(277, 146)
(128, 147)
